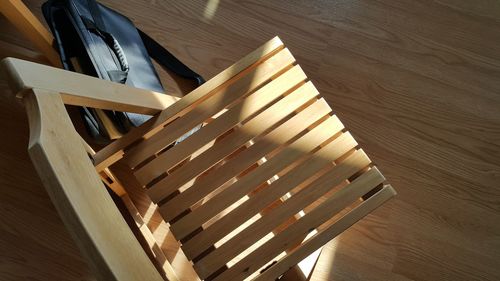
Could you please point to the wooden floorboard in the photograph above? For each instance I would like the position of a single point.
(416, 82)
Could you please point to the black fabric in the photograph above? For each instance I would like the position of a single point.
(96, 14)
(166, 59)
(119, 76)
(105, 44)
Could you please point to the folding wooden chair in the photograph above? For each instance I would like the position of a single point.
(269, 178)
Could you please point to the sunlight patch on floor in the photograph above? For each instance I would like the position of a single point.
(210, 9)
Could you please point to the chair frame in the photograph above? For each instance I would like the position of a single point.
(85, 206)
(81, 199)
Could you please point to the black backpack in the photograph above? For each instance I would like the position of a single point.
(98, 41)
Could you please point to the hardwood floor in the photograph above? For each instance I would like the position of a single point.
(416, 82)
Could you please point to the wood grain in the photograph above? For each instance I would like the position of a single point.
(416, 82)
(85, 206)
(232, 245)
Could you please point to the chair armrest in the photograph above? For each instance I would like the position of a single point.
(82, 90)
(86, 208)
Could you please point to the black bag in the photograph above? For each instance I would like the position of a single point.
(98, 41)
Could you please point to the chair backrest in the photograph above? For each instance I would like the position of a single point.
(270, 177)
(270, 156)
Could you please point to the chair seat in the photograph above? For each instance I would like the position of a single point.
(270, 177)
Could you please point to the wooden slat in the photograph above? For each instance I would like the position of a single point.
(246, 238)
(248, 131)
(296, 231)
(114, 151)
(245, 159)
(235, 115)
(257, 202)
(276, 216)
(214, 104)
(273, 166)
(324, 236)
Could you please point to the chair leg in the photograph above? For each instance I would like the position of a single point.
(21, 17)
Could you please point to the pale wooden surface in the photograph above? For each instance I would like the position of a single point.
(254, 127)
(81, 199)
(415, 81)
(82, 90)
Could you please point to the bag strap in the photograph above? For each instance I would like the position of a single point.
(97, 26)
(96, 15)
(115, 75)
(167, 60)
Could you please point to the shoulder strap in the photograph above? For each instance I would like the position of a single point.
(96, 15)
(97, 26)
(167, 60)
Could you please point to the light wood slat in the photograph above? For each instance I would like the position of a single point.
(253, 233)
(273, 166)
(276, 216)
(235, 115)
(248, 131)
(295, 232)
(245, 159)
(214, 104)
(257, 202)
(114, 151)
(324, 236)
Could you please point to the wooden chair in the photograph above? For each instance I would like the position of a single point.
(269, 178)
